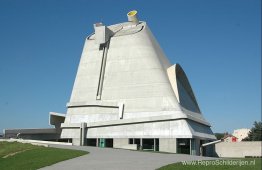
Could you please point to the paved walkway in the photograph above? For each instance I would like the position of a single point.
(118, 159)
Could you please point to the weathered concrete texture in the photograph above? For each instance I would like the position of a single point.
(126, 87)
(238, 149)
(135, 74)
(162, 129)
(119, 142)
(56, 119)
(170, 129)
(167, 145)
(118, 159)
(122, 143)
(76, 141)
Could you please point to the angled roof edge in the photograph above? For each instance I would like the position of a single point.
(175, 74)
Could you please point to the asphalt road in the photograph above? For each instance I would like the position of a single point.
(118, 159)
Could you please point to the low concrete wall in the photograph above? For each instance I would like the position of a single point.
(167, 145)
(36, 142)
(119, 142)
(76, 141)
(122, 143)
(128, 146)
(238, 149)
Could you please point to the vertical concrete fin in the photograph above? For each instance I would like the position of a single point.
(102, 72)
(121, 110)
(82, 133)
(102, 33)
(171, 72)
(182, 88)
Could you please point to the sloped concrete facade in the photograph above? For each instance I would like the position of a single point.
(126, 88)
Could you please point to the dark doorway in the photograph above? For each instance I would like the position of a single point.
(183, 146)
(137, 141)
(109, 143)
(105, 142)
(91, 142)
(203, 148)
(148, 144)
(156, 144)
(130, 141)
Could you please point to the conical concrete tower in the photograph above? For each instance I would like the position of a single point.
(127, 94)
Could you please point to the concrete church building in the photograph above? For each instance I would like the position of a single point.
(128, 95)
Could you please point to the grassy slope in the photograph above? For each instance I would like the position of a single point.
(180, 166)
(34, 158)
(12, 147)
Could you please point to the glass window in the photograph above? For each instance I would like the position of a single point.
(130, 141)
(183, 146)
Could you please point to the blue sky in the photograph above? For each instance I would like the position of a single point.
(217, 42)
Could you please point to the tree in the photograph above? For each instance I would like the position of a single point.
(220, 135)
(255, 132)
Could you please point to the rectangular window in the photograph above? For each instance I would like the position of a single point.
(137, 141)
(183, 146)
(91, 141)
(130, 141)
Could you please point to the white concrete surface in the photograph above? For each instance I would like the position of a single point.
(239, 149)
(38, 142)
(167, 145)
(126, 87)
(127, 146)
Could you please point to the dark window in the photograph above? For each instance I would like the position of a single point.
(148, 144)
(109, 143)
(91, 142)
(137, 141)
(130, 141)
(183, 146)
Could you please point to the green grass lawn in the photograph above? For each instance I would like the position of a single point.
(27, 156)
(232, 164)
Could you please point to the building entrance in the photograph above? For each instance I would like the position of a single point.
(183, 146)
